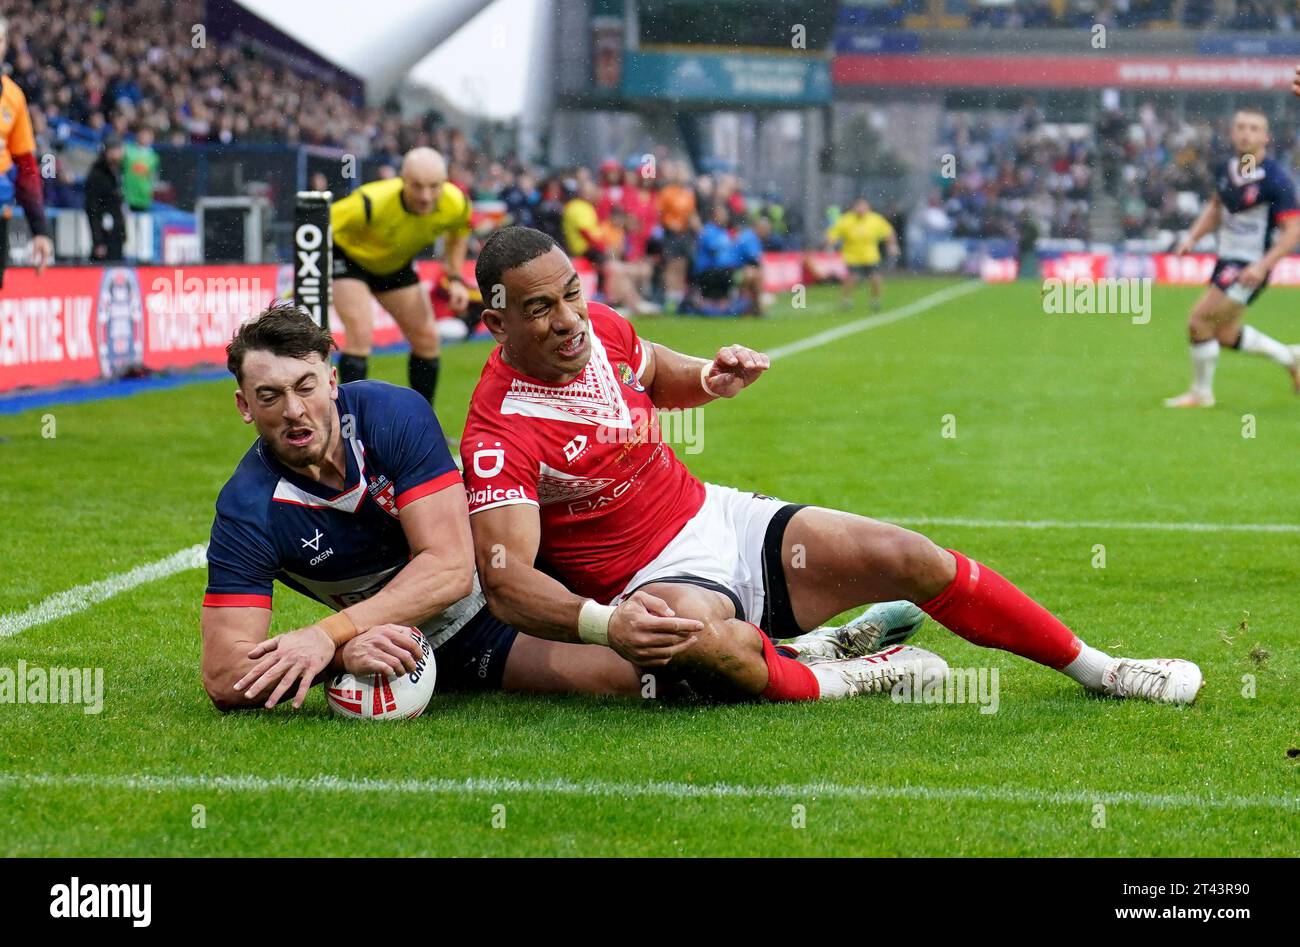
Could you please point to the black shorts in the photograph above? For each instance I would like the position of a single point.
(474, 658)
(1225, 275)
(714, 284)
(347, 268)
(864, 270)
(677, 245)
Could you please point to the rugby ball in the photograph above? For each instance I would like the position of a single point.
(384, 696)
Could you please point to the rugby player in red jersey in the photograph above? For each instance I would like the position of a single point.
(587, 527)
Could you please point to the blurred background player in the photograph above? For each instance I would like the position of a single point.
(677, 222)
(859, 232)
(601, 243)
(20, 178)
(104, 203)
(1253, 195)
(378, 230)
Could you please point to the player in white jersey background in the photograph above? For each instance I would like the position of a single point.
(1253, 196)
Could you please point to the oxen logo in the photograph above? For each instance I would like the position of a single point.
(120, 322)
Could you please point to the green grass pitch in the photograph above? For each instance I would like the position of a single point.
(1056, 418)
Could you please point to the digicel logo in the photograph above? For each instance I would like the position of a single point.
(494, 495)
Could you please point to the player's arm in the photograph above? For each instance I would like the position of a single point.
(675, 380)
(1287, 241)
(28, 191)
(891, 241)
(454, 247)
(643, 629)
(229, 633)
(1206, 222)
(440, 571)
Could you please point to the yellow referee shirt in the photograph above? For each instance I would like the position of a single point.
(860, 236)
(374, 228)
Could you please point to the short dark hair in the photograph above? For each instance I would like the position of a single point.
(504, 250)
(281, 329)
(1251, 110)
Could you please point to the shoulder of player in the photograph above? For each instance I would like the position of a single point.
(12, 92)
(453, 203)
(246, 496)
(606, 319)
(378, 405)
(1276, 171)
(373, 391)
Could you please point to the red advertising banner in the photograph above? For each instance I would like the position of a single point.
(79, 324)
(1096, 71)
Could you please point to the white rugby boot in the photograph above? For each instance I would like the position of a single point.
(1191, 399)
(878, 673)
(880, 626)
(1162, 680)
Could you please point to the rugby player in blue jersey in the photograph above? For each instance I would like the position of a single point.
(1253, 196)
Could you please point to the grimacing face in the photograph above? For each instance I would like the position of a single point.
(543, 329)
(291, 403)
(1249, 133)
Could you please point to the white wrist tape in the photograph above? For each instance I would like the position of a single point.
(704, 380)
(593, 622)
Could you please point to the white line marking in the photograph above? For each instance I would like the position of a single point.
(81, 597)
(672, 790)
(872, 322)
(84, 596)
(1172, 527)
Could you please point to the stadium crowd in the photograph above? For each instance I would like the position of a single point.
(1013, 176)
(116, 77)
(1238, 15)
(1161, 166)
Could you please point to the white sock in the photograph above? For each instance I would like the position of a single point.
(1205, 355)
(1257, 343)
(1087, 668)
(831, 684)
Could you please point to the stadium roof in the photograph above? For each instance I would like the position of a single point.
(400, 38)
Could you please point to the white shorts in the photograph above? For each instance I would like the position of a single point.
(732, 545)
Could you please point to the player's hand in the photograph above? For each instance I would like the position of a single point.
(1252, 275)
(1184, 246)
(42, 253)
(383, 649)
(295, 657)
(645, 631)
(735, 367)
(458, 296)
(1295, 82)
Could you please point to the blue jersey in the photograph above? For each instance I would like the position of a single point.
(1253, 204)
(714, 249)
(336, 547)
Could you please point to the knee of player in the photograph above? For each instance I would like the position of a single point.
(913, 563)
(724, 639)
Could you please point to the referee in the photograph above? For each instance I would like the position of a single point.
(378, 230)
(20, 179)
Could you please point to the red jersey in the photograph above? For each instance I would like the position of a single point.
(611, 494)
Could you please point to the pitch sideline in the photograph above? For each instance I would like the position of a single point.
(473, 786)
